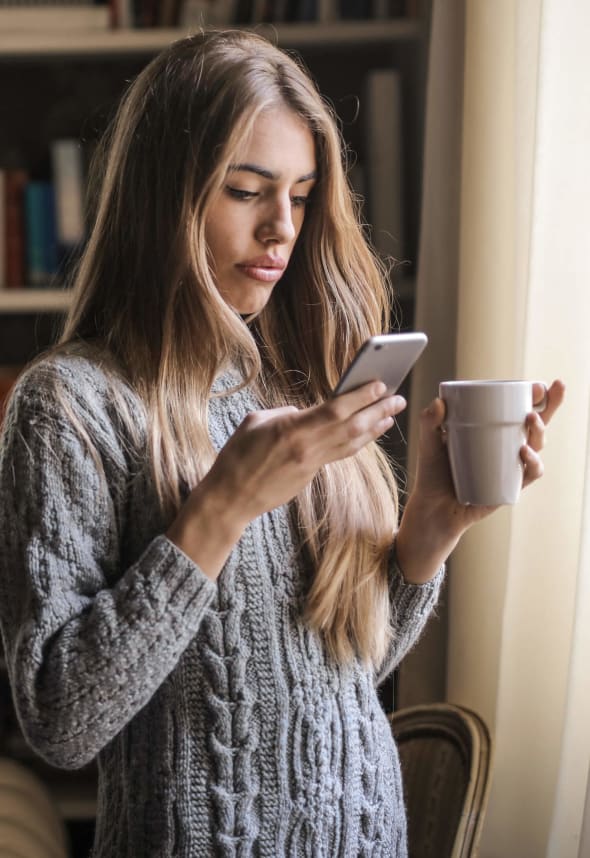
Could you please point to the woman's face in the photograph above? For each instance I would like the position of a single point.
(254, 222)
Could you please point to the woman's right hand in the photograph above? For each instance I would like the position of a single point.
(270, 458)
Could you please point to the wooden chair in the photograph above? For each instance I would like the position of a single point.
(445, 753)
(30, 824)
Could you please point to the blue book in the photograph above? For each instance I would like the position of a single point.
(40, 233)
(51, 249)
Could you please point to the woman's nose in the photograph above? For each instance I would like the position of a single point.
(278, 225)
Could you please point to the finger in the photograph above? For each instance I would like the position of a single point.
(533, 465)
(539, 395)
(362, 427)
(387, 406)
(555, 396)
(353, 443)
(371, 422)
(355, 400)
(353, 413)
(535, 431)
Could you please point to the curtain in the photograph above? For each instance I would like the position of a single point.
(519, 584)
(422, 673)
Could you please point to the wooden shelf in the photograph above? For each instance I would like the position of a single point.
(29, 45)
(58, 300)
(34, 300)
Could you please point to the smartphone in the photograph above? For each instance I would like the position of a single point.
(387, 358)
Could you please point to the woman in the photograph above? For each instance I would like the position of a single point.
(201, 564)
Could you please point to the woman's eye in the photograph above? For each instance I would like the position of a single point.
(238, 194)
(299, 201)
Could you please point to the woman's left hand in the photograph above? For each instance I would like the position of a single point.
(433, 519)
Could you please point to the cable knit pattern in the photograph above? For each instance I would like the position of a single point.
(220, 725)
(231, 739)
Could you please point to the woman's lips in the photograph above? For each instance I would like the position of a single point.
(265, 275)
(263, 269)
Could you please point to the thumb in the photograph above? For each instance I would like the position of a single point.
(267, 414)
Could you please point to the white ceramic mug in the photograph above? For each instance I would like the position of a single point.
(485, 429)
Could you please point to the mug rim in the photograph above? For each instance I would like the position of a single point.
(483, 382)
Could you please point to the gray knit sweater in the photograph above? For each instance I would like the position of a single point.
(220, 726)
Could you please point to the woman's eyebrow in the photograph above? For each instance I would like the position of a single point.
(267, 174)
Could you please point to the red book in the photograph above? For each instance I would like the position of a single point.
(14, 217)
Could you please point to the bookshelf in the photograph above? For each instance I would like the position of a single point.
(69, 82)
(41, 68)
(301, 36)
(34, 300)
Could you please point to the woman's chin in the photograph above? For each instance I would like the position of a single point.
(251, 306)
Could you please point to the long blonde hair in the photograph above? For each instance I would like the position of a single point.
(144, 295)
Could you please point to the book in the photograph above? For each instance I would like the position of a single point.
(40, 233)
(122, 14)
(327, 10)
(221, 13)
(2, 229)
(69, 184)
(384, 9)
(145, 13)
(44, 17)
(263, 12)
(383, 161)
(169, 13)
(299, 10)
(243, 12)
(213, 13)
(414, 8)
(193, 14)
(15, 180)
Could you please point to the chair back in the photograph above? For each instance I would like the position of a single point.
(445, 753)
(30, 823)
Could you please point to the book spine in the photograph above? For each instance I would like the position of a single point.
(414, 8)
(353, 10)
(221, 13)
(68, 180)
(122, 14)
(2, 229)
(50, 230)
(169, 12)
(40, 234)
(327, 10)
(34, 234)
(15, 181)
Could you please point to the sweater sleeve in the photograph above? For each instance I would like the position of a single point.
(412, 605)
(87, 644)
